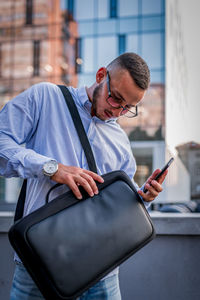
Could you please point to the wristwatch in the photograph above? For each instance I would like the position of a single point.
(50, 168)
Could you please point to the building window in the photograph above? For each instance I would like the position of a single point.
(144, 160)
(78, 55)
(152, 49)
(113, 8)
(36, 58)
(84, 10)
(127, 8)
(104, 55)
(197, 170)
(87, 54)
(102, 9)
(29, 12)
(70, 9)
(132, 43)
(122, 43)
(152, 7)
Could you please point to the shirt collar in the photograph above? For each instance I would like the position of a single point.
(82, 95)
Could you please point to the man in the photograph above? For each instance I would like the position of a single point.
(40, 118)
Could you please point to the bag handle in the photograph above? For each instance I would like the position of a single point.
(84, 142)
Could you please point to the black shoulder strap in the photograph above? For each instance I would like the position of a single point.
(79, 128)
(20, 202)
(84, 142)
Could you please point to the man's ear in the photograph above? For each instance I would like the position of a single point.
(101, 74)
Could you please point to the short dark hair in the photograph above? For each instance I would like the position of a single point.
(136, 66)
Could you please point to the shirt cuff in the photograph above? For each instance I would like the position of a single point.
(28, 164)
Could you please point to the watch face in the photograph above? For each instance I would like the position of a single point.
(50, 168)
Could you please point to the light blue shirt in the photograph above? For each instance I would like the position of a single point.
(39, 118)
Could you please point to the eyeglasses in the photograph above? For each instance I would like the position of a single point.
(127, 110)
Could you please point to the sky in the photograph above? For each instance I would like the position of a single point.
(188, 128)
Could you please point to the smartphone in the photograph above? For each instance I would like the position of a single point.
(162, 171)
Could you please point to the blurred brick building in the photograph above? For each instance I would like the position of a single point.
(36, 44)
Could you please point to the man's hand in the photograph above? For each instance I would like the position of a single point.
(153, 187)
(75, 176)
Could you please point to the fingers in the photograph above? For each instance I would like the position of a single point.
(79, 181)
(153, 175)
(162, 177)
(153, 191)
(152, 187)
(146, 196)
(74, 187)
(75, 177)
(93, 175)
(88, 183)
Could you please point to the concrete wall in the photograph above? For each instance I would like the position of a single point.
(167, 268)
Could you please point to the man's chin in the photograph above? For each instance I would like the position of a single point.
(100, 116)
(103, 116)
(108, 115)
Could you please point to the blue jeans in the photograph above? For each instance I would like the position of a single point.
(24, 288)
